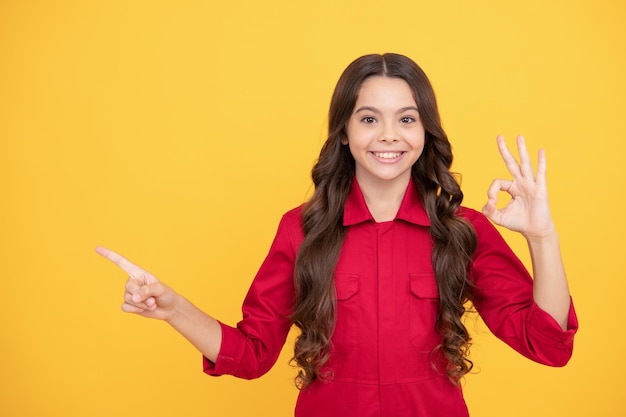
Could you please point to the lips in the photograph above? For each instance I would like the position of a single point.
(387, 155)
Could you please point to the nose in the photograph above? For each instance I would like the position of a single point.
(388, 134)
(386, 139)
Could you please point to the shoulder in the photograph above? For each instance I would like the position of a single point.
(487, 235)
(475, 217)
(291, 225)
(489, 240)
(293, 218)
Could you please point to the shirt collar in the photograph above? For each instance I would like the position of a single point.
(411, 209)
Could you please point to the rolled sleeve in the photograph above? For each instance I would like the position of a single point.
(251, 348)
(503, 296)
(545, 330)
(230, 351)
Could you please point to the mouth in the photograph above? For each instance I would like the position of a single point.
(387, 156)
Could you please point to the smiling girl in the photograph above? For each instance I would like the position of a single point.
(377, 267)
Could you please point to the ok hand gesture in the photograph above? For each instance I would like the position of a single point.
(528, 211)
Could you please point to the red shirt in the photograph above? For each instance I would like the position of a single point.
(387, 303)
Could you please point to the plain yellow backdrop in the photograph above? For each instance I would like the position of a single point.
(178, 132)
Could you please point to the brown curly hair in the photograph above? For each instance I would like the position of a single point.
(454, 239)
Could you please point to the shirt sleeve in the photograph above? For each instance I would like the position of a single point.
(504, 298)
(251, 348)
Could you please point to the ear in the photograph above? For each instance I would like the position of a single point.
(344, 140)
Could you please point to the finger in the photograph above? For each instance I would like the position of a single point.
(508, 158)
(143, 301)
(526, 165)
(138, 295)
(130, 308)
(136, 300)
(148, 294)
(132, 295)
(541, 167)
(132, 285)
(491, 211)
(490, 207)
(130, 268)
(498, 185)
(130, 300)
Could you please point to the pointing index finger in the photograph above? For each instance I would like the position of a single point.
(127, 266)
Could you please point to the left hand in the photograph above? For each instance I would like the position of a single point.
(528, 211)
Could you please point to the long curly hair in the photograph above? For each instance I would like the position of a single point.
(454, 239)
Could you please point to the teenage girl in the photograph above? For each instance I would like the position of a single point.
(377, 268)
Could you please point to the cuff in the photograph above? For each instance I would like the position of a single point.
(548, 330)
(230, 352)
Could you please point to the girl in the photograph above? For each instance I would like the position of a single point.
(377, 267)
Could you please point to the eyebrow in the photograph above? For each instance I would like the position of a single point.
(375, 110)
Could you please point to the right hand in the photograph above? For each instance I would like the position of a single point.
(145, 295)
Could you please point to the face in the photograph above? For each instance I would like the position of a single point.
(384, 132)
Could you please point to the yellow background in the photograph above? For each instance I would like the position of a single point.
(178, 132)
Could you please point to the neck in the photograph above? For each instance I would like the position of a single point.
(383, 198)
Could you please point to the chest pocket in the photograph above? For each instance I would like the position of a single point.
(346, 334)
(424, 307)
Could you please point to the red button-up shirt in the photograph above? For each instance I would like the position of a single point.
(387, 303)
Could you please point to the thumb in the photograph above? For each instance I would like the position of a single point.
(153, 294)
(489, 208)
(146, 291)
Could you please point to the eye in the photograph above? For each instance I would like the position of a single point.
(407, 119)
(368, 120)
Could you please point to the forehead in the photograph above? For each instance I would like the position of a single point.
(385, 91)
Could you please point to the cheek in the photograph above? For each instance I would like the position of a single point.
(418, 140)
(419, 144)
(361, 136)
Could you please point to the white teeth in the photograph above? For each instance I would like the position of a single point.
(387, 155)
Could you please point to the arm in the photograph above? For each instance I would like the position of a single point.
(251, 348)
(528, 212)
(146, 296)
(503, 295)
(550, 289)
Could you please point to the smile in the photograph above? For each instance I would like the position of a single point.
(387, 155)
